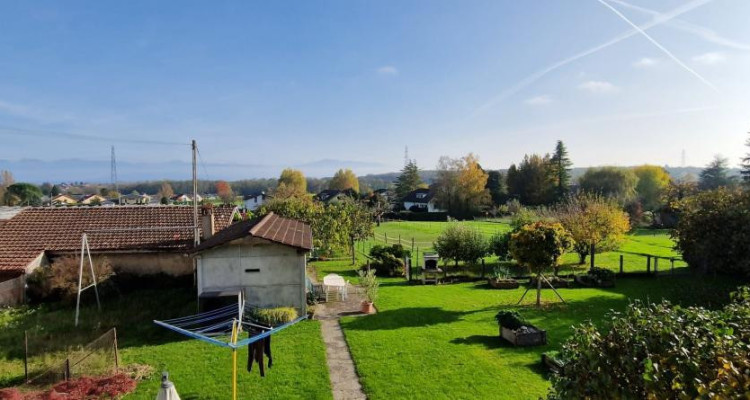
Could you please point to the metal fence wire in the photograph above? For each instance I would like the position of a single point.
(98, 357)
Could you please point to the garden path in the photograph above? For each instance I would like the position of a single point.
(344, 379)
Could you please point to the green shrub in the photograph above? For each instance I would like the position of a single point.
(510, 320)
(388, 260)
(660, 351)
(499, 245)
(274, 316)
(601, 274)
(713, 231)
(499, 273)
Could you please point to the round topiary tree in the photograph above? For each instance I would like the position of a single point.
(538, 247)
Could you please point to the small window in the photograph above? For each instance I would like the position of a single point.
(421, 195)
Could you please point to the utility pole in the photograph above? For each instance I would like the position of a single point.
(113, 176)
(196, 236)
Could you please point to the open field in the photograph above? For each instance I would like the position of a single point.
(641, 241)
(199, 370)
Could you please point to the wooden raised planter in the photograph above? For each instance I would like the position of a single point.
(533, 337)
(503, 283)
(564, 283)
(552, 364)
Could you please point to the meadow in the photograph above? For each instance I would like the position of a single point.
(655, 242)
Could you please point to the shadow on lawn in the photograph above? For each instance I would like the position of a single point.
(410, 317)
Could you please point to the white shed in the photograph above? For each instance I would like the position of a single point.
(264, 258)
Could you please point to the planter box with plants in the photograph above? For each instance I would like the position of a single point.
(500, 278)
(518, 331)
(597, 277)
(551, 361)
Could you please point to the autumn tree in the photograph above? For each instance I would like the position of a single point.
(408, 181)
(460, 186)
(715, 175)
(532, 182)
(344, 179)
(538, 247)
(291, 183)
(615, 182)
(560, 165)
(595, 223)
(224, 190)
(165, 192)
(652, 182)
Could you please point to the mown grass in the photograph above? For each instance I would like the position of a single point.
(199, 370)
(656, 242)
(438, 342)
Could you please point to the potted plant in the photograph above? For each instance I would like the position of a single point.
(518, 331)
(500, 278)
(370, 284)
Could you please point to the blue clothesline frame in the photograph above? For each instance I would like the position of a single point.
(207, 316)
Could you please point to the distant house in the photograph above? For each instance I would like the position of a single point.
(63, 200)
(92, 199)
(185, 198)
(264, 258)
(333, 195)
(253, 201)
(421, 200)
(136, 240)
(135, 199)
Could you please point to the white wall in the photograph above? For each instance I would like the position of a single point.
(279, 281)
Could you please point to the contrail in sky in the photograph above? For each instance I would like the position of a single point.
(657, 20)
(704, 33)
(659, 46)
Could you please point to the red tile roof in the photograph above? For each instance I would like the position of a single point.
(277, 229)
(131, 228)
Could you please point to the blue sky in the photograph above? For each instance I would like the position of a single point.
(264, 85)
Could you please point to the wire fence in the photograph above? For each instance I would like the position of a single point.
(45, 365)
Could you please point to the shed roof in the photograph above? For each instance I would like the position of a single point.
(271, 227)
(150, 228)
(413, 196)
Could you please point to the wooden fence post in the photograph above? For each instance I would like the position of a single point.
(482, 268)
(648, 264)
(621, 263)
(656, 265)
(114, 344)
(671, 261)
(67, 369)
(26, 355)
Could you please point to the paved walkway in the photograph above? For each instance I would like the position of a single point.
(344, 378)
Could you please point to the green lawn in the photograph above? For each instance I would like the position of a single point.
(436, 342)
(199, 370)
(642, 241)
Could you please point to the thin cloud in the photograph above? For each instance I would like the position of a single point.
(388, 70)
(655, 21)
(711, 58)
(659, 46)
(598, 87)
(538, 100)
(697, 30)
(646, 62)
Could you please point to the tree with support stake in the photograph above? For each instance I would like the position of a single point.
(538, 247)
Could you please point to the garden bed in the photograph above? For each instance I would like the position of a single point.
(556, 281)
(503, 283)
(524, 336)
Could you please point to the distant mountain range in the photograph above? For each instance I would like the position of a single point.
(77, 170)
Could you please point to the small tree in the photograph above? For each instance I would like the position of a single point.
(538, 247)
(224, 190)
(344, 179)
(459, 242)
(594, 221)
(499, 245)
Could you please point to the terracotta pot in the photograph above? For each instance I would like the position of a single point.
(367, 307)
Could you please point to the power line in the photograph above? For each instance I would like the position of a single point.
(203, 164)
(16, 131)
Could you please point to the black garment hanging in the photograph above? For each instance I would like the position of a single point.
(255, 353)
